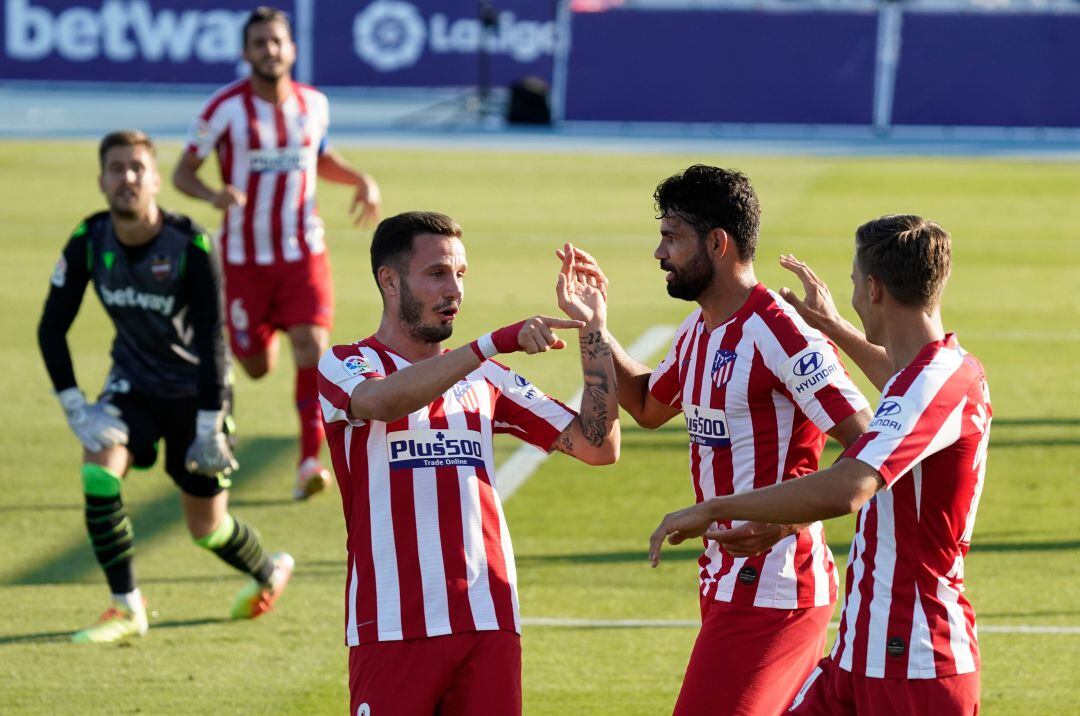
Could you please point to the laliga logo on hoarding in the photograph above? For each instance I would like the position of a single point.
(389, 35)
(392, 34)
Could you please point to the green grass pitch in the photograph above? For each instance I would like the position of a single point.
(580, 533)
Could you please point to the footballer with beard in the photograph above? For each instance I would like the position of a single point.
(432, 620)
(270, 136)
(759, 390)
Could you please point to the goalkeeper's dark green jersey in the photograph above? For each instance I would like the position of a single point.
(164, 299)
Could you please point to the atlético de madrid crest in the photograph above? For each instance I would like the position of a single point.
(723, 367)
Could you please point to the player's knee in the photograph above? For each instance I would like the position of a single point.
(256, 366)
(212, 537)
(309, 343)
(100, 481)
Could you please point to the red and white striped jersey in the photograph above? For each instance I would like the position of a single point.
(270, 151)
(757, 393)
(905, 614)
(429, 549)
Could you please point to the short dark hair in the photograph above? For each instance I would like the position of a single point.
(124, 138)
(911, 255)
(265, 13)
(710, 198)
(392, 243)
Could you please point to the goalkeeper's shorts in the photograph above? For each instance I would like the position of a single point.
(152, 420)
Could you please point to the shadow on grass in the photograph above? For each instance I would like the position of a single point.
(684, 555)
(1047, 546)
(156, 517)
(44, 637)
(1035, 422)
(188, 623)
(41, 508)
(1027, 615)
(634, 556)
(61, 637)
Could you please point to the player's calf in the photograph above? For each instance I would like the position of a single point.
(111, 535)
(239, 546)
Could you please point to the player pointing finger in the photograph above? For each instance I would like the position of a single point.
(410, 429)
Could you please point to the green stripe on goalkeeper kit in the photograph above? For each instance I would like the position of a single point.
(220, 536)
(100, 481)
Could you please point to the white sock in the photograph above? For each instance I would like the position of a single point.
(132, 600)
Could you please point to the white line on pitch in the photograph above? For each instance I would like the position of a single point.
(687, 623)
(513, 473)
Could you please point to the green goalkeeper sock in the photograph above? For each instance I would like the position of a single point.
(109, 527)
(239, 546)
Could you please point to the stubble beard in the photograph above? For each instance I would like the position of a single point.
(410, 311)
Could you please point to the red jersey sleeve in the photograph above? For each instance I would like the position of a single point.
(665, 383)
(212, 122)
(341, 369)
(525, 411)
(922, 412)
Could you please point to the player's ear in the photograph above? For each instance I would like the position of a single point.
(718, 242)
(101, 182)
(388, 281)
(875, 289)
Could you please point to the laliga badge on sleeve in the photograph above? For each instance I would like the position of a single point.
(355, 365)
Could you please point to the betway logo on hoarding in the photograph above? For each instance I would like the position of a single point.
(393, 35)
(121, 31)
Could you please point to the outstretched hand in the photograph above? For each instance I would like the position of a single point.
(677, 527)
(818, 308)
(579, 292)
(533, 335)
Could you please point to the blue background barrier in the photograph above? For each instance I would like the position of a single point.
(796, 65)
(718, 66)
(989, 70)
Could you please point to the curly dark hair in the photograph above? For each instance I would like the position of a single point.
(710, 198)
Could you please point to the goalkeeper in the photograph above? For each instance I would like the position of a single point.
(160, 284)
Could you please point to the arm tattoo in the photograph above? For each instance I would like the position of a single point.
(594, 413)
(594, 346)
(565, 443)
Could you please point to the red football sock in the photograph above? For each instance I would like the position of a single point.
(307, 405)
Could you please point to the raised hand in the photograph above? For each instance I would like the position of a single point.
(580, 293)
(585, 267)
(818, 308)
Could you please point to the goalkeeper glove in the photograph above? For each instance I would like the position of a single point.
(209, 453)
(97, 425)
